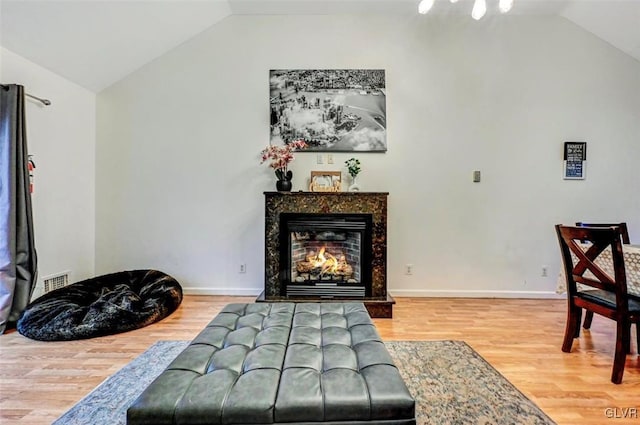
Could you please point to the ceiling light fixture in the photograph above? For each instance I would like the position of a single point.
(505, 5)
(479, 7)
(425, 6)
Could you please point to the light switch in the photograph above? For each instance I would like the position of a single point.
(476, 176)
(319, 159)
(329, 159)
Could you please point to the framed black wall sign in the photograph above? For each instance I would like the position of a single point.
(575, 160)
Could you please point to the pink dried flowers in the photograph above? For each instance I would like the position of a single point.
(280, 157)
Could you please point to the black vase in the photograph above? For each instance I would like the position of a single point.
(283, 185)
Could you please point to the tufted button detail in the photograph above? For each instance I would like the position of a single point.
(331, 346)
(280, 363)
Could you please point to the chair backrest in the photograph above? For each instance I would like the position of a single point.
(623, 229)
(582, 267)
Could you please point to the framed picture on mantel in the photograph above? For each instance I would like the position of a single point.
(325, 181)
(332, 110)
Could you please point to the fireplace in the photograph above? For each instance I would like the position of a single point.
(327, 247)
(325, 255)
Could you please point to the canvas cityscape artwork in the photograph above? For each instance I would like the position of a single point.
(332, 110)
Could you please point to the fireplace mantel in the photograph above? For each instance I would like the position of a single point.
(379, 303)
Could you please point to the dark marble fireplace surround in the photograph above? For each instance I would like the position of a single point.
(377, 301)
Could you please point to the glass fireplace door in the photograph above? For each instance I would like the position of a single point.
(326, 254)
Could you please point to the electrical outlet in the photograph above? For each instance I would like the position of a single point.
(476, 176)
(319, 159)
(329, 159)
(243, 268)
(545, 271)
(408, 269)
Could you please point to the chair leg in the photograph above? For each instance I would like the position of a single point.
(622, 342)
(572, 330)
(588, 317)
(628, 340)
(578, 320)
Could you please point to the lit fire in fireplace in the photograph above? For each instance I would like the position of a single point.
(324, 263)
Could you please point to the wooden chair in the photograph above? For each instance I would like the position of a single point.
(609, 297)
(588, 317)
(624, 231)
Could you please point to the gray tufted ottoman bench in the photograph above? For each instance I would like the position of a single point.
(280, 363)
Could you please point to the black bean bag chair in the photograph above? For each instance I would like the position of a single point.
(103, 305)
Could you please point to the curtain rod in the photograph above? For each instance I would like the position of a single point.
(45, 102)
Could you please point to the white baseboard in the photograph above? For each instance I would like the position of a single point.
(434, 293)
(240, 292)
(466, 293)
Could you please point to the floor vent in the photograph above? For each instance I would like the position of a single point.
(56, 281)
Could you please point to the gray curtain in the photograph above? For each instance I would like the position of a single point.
(18, 262)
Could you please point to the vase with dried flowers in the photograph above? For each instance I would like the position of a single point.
(353, 166)
(280, 157)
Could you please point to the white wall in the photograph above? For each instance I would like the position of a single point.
(179, 187)
(62, 139)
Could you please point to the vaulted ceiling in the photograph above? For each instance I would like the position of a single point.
(95, 43)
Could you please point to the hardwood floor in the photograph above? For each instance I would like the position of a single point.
(520, 338)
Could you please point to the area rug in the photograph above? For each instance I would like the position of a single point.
(452, 384)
